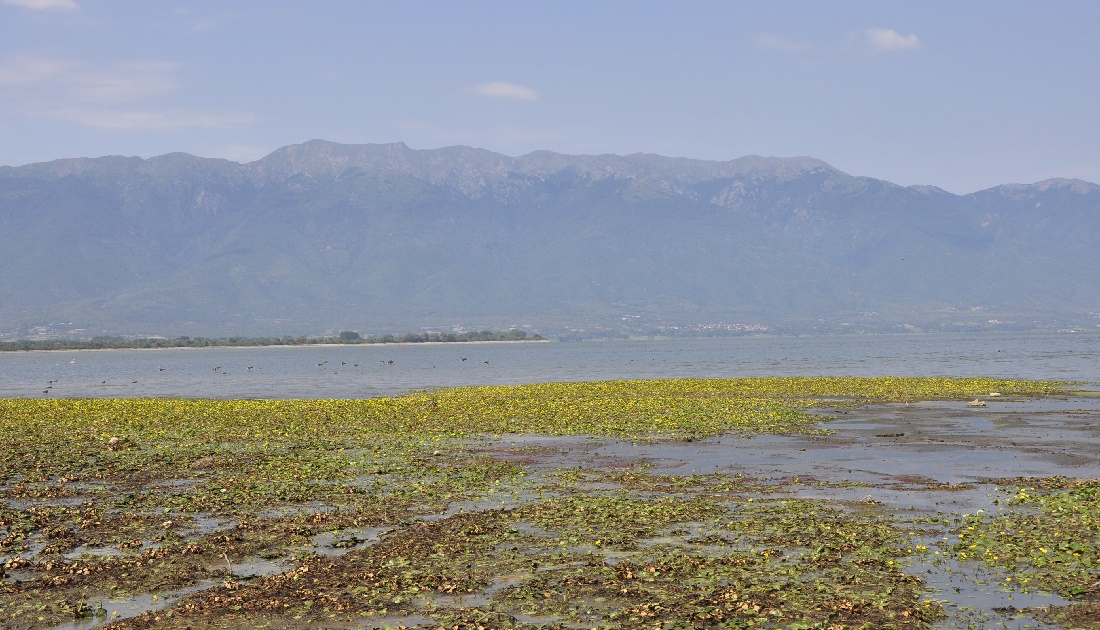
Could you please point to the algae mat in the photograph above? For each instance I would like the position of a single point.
(725, 503)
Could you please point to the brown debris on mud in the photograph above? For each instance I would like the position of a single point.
(934, 523)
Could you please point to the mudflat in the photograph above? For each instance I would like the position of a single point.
(784, 503)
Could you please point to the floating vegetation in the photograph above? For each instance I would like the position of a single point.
(409, 511)
(1047, 539)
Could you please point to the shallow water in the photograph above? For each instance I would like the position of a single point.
(977, 598)
(364, 371)
(126, 606)
(907, 474)
(339, 542)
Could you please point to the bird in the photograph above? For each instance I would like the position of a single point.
(390, 361)
(463, 358)
(160, 369)
(486, 363)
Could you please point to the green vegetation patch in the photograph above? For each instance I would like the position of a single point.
(1047, 539)
(307, 513)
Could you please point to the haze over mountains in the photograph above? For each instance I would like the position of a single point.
(383, 238)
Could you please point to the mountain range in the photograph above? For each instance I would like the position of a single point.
(382, 238)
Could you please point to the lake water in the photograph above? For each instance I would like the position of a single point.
(365, 370)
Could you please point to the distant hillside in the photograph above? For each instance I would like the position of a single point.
(380, 238)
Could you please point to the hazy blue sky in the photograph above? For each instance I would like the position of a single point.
(962, 95)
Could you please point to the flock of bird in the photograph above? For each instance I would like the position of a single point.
(220, 371)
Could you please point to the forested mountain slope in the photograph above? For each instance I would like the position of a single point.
(382, 237)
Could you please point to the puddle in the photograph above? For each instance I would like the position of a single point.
(871, 461)
(95, 551)
(1051, 405)
(472, 600)
(207, 524)
(176, 483)
(116, 608)
(302, 509)
(22, 504)
(544, 621)
(530, 529)
(909, 500)
(971, 596)
(1044, 404)
(17, 575)
(34, 547)
(252, 567)
(980, 424)
(340, 542)
(382, 621)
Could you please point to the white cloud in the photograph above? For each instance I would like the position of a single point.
(501, 89)
(129, 95)
(43, 5)
(889, 40)
(778, 43)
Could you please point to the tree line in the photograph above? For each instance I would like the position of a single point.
(345, 337)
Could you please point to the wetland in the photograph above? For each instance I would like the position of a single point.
(793, 502)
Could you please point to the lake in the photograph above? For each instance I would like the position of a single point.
(362, 371)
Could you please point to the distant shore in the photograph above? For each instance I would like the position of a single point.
(294, 345)
(345, 339)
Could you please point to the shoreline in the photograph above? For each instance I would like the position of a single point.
(295, 345)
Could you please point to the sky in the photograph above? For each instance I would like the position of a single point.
(960, 95)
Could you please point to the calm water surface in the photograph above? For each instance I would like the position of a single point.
(365, 371)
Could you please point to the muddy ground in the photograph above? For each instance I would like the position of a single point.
(868, 526)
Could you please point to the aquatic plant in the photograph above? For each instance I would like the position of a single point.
(108, 498)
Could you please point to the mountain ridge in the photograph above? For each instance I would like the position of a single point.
(794, 164)
(380, 237)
